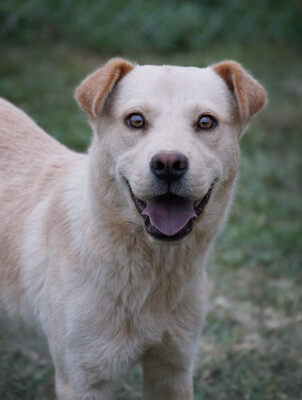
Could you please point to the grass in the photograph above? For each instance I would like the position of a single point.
(144, 25)
(251, 346)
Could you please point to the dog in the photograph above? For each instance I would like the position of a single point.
(104, 253)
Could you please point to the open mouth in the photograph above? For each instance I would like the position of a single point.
(170, 217)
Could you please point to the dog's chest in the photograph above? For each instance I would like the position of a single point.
(128, 304)
(142, 300)
(129, 324)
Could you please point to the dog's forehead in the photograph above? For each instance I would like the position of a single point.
(172, 84)
(173, 79)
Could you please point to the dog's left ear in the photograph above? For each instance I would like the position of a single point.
(250, 95)
(93, 91)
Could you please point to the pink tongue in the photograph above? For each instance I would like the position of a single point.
(169, 214)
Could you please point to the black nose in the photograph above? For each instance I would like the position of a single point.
(169, 166)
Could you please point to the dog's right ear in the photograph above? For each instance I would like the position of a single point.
(93, 91)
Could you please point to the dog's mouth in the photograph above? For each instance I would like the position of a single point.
(170, 217)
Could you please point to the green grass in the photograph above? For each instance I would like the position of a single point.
(144, 25)
(251, 346)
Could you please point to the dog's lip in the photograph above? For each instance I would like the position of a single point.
(198, 205)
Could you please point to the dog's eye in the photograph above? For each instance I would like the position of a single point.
(135, 121)
(207, 122)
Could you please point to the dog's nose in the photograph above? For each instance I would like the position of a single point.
(169, 166)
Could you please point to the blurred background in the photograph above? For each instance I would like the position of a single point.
(251, 346)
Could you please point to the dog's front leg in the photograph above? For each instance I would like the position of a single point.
(89, 369)
(68, 391)
(165, 379)
(73, 382)
(168, 369)
(168, 365)
(167, 383)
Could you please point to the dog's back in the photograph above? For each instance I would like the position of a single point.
(23, 145)
(30, 164)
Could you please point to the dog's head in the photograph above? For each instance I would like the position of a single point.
(171, 134)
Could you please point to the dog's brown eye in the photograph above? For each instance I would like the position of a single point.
(207, 122)
(135, 121)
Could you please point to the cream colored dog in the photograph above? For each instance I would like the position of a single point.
(105, 252)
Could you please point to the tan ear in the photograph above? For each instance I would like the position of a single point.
(250, 95)
(93, 91)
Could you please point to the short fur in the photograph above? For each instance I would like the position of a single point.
(76, 263)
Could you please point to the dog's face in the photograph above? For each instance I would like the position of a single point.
(172, 134)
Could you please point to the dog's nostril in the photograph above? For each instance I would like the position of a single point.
(169, 166)
(179, 165)
(158, 166)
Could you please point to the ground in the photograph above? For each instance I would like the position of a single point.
(251, 345)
